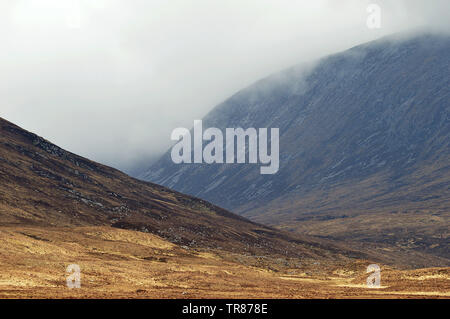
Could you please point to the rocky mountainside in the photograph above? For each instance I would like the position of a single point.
(364, 147)
(42, 185)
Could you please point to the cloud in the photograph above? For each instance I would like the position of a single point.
(110, 79)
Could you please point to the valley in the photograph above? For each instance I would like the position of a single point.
(133, 239)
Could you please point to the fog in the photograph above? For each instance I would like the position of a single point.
(111, 79)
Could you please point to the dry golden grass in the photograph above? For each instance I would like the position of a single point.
(119, 263)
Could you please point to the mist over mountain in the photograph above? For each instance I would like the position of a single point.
(364, 147)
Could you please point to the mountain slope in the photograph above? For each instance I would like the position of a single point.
(42, 185)
(364, 147)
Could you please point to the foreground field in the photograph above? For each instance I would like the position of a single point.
(119, 263)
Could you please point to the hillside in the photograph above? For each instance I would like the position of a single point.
(43, 185)
(364, 147)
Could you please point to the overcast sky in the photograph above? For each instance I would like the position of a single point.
(110, 79)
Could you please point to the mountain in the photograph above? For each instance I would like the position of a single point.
(364, 147)
(42, 185)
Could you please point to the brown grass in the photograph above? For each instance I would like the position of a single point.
(128, 264)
